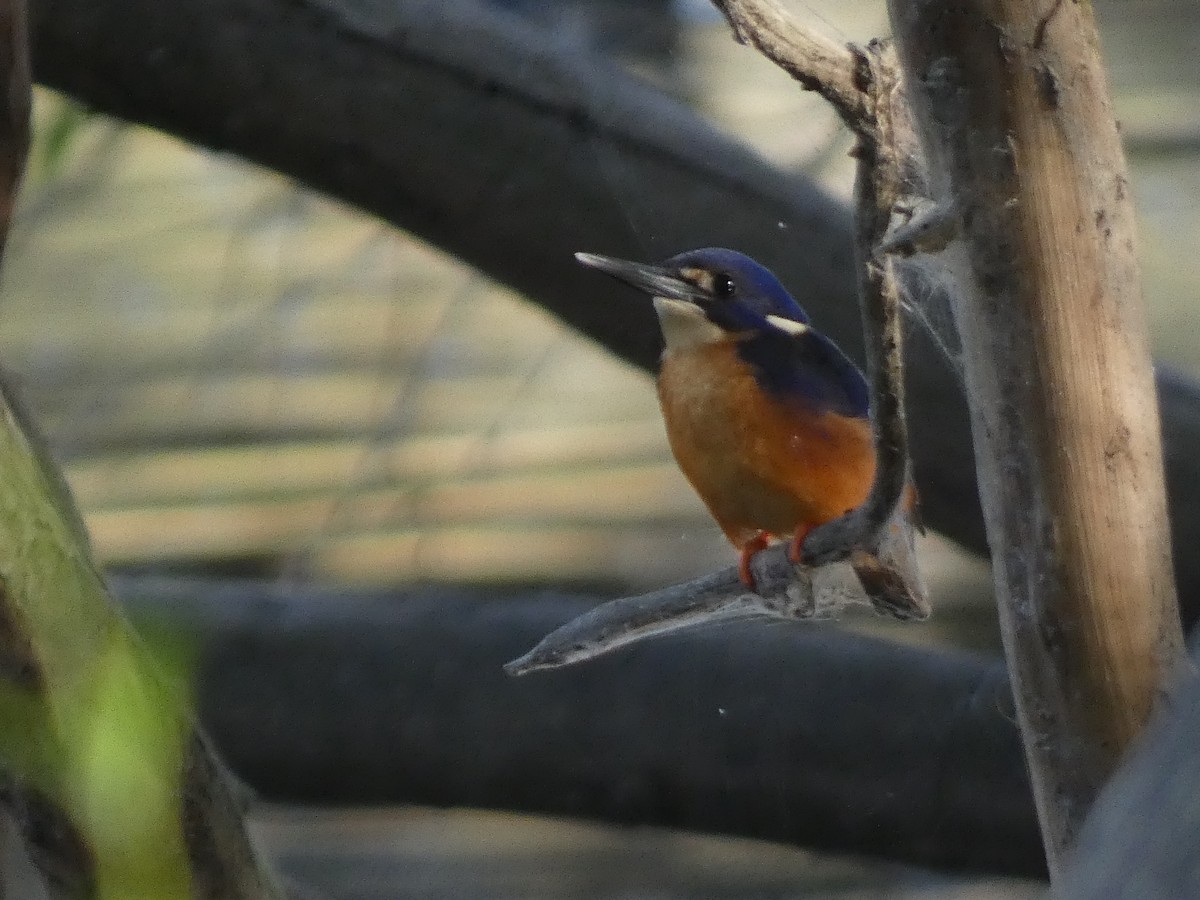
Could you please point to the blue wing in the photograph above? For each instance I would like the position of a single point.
(809, 369)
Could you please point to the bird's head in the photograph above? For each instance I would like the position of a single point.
(713, 295)
(709, 295)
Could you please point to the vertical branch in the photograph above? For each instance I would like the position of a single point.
(882, 557)
(862, 86)
(1014, 111)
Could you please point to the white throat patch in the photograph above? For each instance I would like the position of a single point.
(684, 325)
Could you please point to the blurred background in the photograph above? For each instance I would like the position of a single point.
(242, 378)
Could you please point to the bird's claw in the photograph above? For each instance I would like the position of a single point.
(751, 547)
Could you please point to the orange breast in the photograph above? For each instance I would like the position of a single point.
(757, 464)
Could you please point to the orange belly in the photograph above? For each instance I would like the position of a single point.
(759, 465)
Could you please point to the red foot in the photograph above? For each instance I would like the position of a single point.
(796, 547)
(752, 546)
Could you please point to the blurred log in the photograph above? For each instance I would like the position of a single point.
(454, 122)
(801, 734)
(493, 141)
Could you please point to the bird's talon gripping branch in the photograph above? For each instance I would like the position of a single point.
(796, 547)
(749, 549)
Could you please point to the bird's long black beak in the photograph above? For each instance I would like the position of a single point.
(656, 281)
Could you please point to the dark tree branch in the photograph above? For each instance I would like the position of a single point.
(344, 108)
(793, 734)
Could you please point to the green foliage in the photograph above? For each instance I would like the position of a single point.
(88, 721)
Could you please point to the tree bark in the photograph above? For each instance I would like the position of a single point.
(1015, 116)
(88, 721)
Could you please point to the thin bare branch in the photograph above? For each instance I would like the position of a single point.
(714, 598)
(877, 189)
(784, 591)
(818, 62)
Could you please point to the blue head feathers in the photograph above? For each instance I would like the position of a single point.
(711, 295)
(751, 290)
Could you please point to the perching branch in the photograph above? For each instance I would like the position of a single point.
(1014, 112)
(782, 591)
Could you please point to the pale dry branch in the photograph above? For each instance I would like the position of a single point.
(782, 591)
(1059, 377)
(815, 60)
(878, 188)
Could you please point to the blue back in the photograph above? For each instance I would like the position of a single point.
(809, 370)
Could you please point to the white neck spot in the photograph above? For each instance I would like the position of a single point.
(791, 326)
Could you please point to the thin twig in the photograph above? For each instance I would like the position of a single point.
(815, 60)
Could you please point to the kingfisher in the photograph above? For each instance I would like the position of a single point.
(766, 416)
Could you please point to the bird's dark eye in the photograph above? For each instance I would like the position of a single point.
(722, 286)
